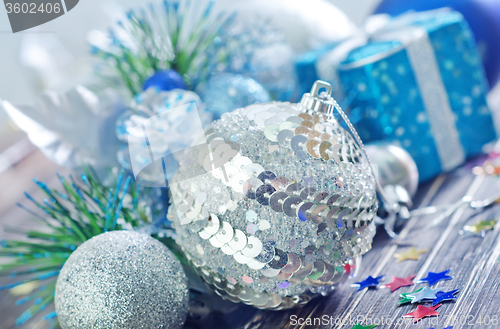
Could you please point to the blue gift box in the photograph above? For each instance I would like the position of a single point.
(419, 83)
(305, 68)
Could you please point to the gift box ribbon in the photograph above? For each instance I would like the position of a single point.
(415, 40)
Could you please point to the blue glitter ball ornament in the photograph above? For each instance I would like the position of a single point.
(226, 92)
(165, 80)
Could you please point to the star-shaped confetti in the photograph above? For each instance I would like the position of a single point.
(358, 326)
(441, 296)
(404, 297)
(412, 253)
(425, 294)
(397, 283)
(421, 312)
(433, 278)
(484, 225)
(369, 282)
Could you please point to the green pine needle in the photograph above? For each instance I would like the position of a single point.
(174, 34)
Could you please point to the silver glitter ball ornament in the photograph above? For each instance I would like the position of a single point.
(121, 280)
(278, 203)
(394, 165)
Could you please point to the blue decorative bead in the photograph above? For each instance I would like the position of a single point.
(227, 92)
(165, 80)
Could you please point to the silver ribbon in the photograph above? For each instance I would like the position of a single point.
(423, 61)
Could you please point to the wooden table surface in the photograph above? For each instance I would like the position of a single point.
(13, 182)
(473, 260)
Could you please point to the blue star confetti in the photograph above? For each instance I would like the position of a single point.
(425, 294)
(433, 278)
(369, 282)
(444, 295)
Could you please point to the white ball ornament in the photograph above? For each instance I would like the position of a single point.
(265, 37)
(277, 204)
(306, 25)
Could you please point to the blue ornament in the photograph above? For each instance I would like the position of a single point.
(483, 17)
(433, 278)
(369, 282)
(165, 80)
(227, 92)
(444, 295)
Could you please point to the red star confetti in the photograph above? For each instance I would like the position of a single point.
(397, 283)
(421, 312)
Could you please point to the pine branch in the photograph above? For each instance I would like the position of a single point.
(82, 209)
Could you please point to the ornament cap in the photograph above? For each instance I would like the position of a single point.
(318, 102)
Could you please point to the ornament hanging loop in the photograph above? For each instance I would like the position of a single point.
(316, 102)
(318, 85)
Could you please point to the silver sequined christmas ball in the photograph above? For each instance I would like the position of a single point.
(122, 280)
(277, 204)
